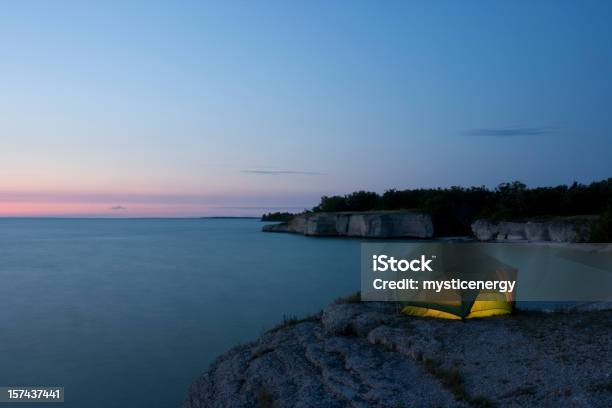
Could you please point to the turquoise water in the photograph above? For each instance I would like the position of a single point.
(129, 312)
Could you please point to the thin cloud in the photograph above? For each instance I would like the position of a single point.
(281, 172)
(118, 208)
(511, 132)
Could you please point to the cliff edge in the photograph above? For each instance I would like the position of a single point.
(387, 224)
(365, 354)
(569, 229)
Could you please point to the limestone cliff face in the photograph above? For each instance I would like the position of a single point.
(295, 225)
(367, 225)
(322, 224)
(390, 225)
(559, 230)
(365, 354)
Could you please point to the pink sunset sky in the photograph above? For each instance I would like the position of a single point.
(144, 205)
(193, 109)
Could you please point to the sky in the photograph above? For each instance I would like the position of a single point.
(180, 109)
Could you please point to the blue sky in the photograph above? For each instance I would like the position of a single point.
(189, 108)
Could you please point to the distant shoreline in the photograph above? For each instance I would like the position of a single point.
(229, 218)
(47, 217)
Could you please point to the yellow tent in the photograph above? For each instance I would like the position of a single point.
(467, 262)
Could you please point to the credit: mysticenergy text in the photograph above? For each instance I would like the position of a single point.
(385, 263)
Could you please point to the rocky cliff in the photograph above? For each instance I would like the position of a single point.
(559, 230)
(367, 355)
(295, 225)
(368, 225)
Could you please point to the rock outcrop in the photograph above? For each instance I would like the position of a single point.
(321, 224)
(295, 225)
(368, 355)
(558, 230)
(398, 224)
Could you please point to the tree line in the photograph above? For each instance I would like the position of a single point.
(277, 216)
(454, 209)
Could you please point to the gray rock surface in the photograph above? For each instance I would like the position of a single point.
(537, 231)
(295, 225)
(279, 227)
(368, 225)
(342, 224)
(368, 355)
(558, 230)
(484, 230)
(321, 224)
(511, 231)
(390, 225)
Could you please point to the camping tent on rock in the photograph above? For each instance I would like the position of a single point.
(459, 264)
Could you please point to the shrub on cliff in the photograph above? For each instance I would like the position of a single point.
(277, 216)
(357, 201)
(601, 230)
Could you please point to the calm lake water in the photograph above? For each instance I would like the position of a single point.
(126, 313)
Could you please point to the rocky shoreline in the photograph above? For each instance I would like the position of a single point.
(409, 224)
(569, 229)
(366, 354)
(384, 224)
